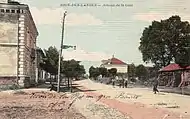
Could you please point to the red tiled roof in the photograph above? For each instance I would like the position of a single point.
(116, 61)
(173, 67)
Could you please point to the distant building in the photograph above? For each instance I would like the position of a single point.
(121, 66)
(18, 35)
(41, 74)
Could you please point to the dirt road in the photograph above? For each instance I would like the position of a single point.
(43, 104)
(139, 103)
(36, 105)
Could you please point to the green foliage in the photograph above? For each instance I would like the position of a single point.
(50, 61)
(72, 69)
(94, 72)
(9, 87)
(183, 59)
(141, 72)
(103, 71)
(131, 70)
(112, 71)
(165, 41)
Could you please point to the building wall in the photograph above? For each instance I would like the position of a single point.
(8, 44)
(30, 46)
(17, 28)
(29, 36)
(120, 68)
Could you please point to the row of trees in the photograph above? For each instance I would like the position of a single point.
(140, 71)
(95, 72)
(70, 69)
(166, 41)
(143, 73)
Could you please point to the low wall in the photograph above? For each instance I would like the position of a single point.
(7, 80)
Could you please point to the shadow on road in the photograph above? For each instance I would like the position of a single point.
(64, 88)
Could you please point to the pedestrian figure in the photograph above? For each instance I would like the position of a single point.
(120, 83)
(53, 88)
(155, 86)
(126, 83)
(113, 82)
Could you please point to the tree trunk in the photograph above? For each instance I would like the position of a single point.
(182, 79)
(71, 85)
(68, 83)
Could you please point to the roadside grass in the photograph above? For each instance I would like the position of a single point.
(9, 87)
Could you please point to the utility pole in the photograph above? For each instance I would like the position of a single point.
(18, 40)
(60, 52)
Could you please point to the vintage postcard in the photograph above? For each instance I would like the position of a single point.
(102, 59)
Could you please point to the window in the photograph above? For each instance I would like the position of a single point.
(7, 11)
(12, 11)
(2, 10)
(18, 11)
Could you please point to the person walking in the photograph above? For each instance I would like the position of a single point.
(113, 82)
(155, 86)
(126, 83)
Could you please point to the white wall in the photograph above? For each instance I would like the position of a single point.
(120, 68)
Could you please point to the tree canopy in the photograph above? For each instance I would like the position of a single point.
(112, 71)
(94, 72)
(103, 71)
(72, 69)
(50, 61)
(131, 70)
(141, 72)
(166, 41)
(69, 68)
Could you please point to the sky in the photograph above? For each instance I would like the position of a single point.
(101, 31)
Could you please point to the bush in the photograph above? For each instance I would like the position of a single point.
(9, 87)
(133, 80)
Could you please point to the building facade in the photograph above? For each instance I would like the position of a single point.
(41, 74)
(18, 35)
(121, 66)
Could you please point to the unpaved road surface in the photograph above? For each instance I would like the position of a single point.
(139, 103)
(44, 104)
(36, 105)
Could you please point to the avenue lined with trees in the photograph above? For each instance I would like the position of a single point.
(69, 69)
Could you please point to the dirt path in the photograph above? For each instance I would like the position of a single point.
(43, 104)
(92, 109)
(141, 101)
(36, 105)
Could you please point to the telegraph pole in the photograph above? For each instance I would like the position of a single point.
(60, 52)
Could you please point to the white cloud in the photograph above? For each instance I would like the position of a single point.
(150, 16)
(81, 55)
(54, 16)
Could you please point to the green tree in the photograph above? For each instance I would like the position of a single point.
(141, 72)
(165, 41)
(50, 60)
(91, 71)
(72, 69)
(131, 70)
(103, 71)
(112, 71)
(94, 72)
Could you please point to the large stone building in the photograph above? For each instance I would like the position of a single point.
(18, 35)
